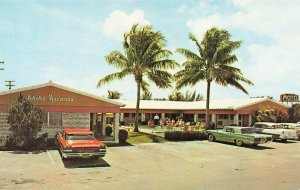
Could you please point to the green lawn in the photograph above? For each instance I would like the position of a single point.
(138, 137)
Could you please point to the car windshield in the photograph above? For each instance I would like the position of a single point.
(247, 130)
(80, 137)
(277, 126)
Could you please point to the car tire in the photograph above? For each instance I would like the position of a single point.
(273, 138)
(211, 137)
(239, 142)
(284, 140)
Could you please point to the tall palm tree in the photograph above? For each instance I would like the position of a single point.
(144, 56)
(213, 62)
(113, 94)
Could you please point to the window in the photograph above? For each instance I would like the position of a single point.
(126, 114)
(55, 119)
(201, 116)
(223, 116)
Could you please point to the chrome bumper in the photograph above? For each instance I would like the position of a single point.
(83, 154)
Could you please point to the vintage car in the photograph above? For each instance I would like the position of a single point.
(293, 126)
(238, 135)
(276, 130)
(79, 143)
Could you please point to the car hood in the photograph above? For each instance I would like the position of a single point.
(85, 143)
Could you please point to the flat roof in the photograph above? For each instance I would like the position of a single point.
(228, 104)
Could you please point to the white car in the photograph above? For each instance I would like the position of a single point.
(276, 130)
(292, 126)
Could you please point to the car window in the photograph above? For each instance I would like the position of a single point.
(247, 130)
(258, 126)
(80, 137)
(229, 130)
(277, 126)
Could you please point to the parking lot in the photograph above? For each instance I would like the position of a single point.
(174, 165)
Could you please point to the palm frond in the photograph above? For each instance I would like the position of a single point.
(113, 76)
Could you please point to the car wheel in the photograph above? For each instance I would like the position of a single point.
(211, 138)
(273, 138)
(239, 142)
(284, 140)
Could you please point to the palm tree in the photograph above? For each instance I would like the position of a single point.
(213, 62)
(113, 94)
(147, 95)
(144, 56)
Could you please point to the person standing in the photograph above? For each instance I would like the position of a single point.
(156, 119)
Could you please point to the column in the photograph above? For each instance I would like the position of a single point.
(116, 127)
(236, 119)
(195, 117)
(121, 116)
(143, 117)
(250, 119)
(103, 123)
(162, 116)
(214, 118)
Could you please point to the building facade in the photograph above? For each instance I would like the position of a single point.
(240, 112)
(65, 108)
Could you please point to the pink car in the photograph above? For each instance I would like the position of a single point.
(79, 143)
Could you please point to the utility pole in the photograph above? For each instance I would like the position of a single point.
(9, 83)
(1, 62)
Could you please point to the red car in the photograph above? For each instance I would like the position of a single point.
(79, 143)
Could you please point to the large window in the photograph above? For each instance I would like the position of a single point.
(223, 116)
(201, 116)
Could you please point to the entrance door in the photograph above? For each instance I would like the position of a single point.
(245, 120)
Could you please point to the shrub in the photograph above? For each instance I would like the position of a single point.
(25, 120)
(108, 130)
(185, 135)
(123, 136)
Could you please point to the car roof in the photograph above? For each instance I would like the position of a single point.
(237, 127)
(266, 123)
(77, 131)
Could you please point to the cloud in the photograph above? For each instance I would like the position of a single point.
(201, 25)
(119, 22)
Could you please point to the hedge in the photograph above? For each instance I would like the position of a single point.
(185, 135)
(123, 136)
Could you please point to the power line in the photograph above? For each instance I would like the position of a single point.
(1, 62)
(9, 83)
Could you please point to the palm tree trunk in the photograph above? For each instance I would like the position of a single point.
(137, 109)
(207, 116)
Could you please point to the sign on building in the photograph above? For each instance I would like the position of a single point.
(289, 98)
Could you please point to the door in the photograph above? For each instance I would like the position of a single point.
(245, 120)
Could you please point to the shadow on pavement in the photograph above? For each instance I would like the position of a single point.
(27, 152)
(258, 147)
(85, 163)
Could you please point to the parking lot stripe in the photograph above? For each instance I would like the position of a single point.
(50, 157)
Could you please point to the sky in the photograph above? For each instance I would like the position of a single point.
(67, 41)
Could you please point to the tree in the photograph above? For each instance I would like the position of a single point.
(144, 56)
(294, 113)
(188, 96)
(147, 95)
(176, 96)
(213, 63)
(113, 94)
(25, 121)
(271, 115)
